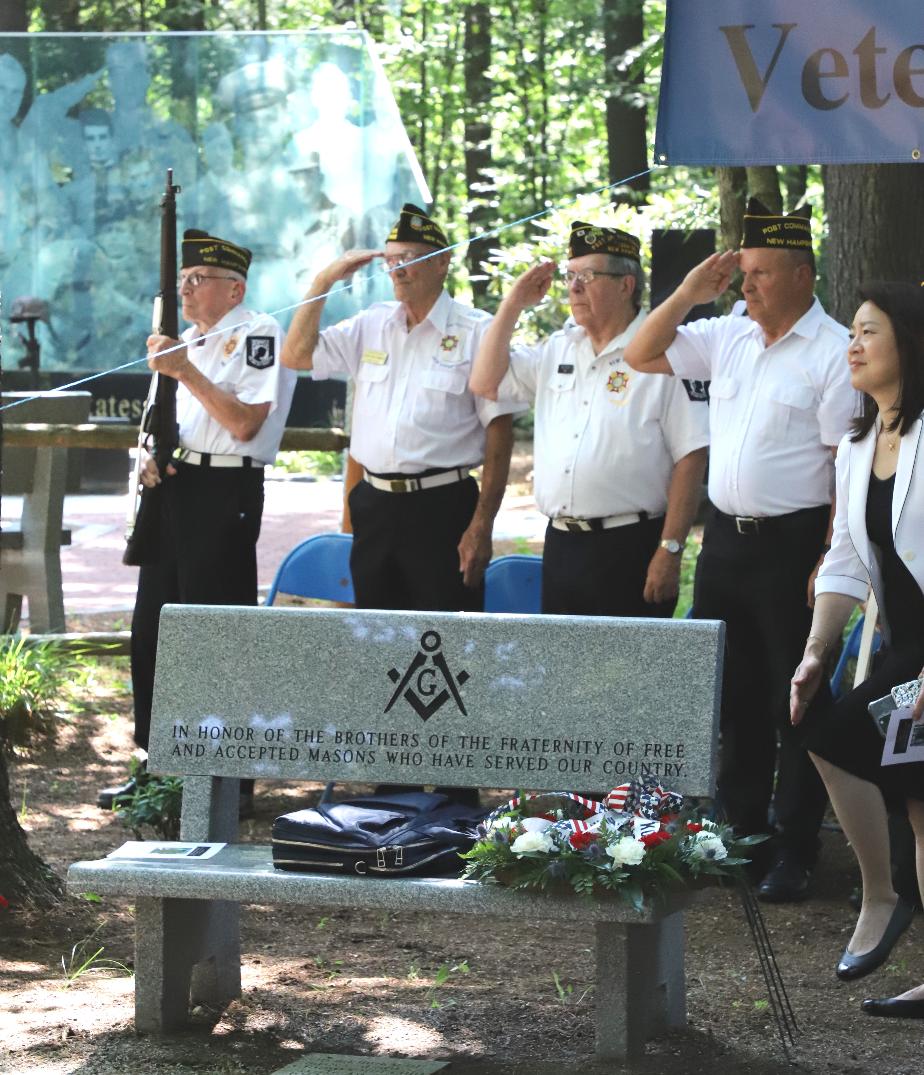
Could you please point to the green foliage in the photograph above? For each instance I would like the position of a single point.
(34, 682)
(155, 804)
(318, 464)
(85, 957)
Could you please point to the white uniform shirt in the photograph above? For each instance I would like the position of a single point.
(774, 412)
(245, 361)
(412, 408)
(607, 438)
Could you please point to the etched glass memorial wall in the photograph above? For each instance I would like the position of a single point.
(290, 144)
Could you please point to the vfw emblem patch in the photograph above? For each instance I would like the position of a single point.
(428, 684)
(617, 383)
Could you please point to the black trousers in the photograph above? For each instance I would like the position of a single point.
(209, 530)
(601, 572)
(757, 584)
(405, 548)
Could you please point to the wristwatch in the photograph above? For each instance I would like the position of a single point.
(671, 545)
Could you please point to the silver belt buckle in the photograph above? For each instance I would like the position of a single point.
(746, 524)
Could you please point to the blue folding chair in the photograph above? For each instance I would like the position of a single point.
(513, 584)
(850, 650)
(318, 567)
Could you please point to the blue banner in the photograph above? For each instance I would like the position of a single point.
(792, 82)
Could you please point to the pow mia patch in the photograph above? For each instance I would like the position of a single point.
(697, 391)
(261, 352)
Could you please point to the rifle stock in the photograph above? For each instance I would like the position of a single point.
(159, 433)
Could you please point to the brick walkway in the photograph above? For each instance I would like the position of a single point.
(96, 580)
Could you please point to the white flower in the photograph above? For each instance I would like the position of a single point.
(535, 824)
(626, 851)
(706, 845)
(501, 823)
(532, 841)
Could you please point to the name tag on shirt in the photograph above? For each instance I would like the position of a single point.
(566, 367)
(375, 358)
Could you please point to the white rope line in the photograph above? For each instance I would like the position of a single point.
(347, 285)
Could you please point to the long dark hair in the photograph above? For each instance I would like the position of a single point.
(903, 304)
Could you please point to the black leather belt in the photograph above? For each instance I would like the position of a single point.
(757, 525)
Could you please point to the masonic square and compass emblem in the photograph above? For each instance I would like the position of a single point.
(428, 683)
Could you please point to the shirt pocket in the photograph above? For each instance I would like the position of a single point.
(371, 373)
(451, 381)
(561, 382)
(788, 412)
(723, 388)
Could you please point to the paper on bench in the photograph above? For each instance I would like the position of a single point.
(165, 850)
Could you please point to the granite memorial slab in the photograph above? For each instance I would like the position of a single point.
(337, 1064)
(441, 698)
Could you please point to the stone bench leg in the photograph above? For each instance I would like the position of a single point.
(640, 984)
(185, 950)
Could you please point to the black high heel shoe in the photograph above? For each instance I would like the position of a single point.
(852, 967)
(894, 1008)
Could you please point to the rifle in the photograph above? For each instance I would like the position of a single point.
(159, 433)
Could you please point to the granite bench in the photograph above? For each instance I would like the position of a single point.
(552, 703)
(30, 551)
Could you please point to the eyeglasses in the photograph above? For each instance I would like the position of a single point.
(585, 276)
(194, 279)
(398, 261)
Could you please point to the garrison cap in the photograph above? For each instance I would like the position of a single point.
(200, 248)
(591, 239)
(414, 226)
(776, 230)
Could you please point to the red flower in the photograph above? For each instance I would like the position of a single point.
(652, 839)
(582, 840)
(4, 903)
(693, 826)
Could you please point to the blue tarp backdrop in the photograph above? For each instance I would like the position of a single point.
(792, 81)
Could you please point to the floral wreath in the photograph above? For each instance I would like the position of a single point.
(637, 843)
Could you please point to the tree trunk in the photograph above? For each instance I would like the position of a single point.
(795, 180)
(626, 134)
(478, 180)
(733, 185)
(24, 877)
(764, 183)
(14, 16)
(875, 220)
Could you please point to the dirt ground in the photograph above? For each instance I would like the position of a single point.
(491, 998)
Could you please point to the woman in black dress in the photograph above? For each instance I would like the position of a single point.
(878, 540)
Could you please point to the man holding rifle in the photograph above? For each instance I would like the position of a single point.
(232, 401)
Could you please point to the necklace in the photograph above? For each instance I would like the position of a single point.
(890, 444)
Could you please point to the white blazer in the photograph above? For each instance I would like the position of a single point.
(850, 566)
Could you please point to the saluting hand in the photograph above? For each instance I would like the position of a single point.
(533, 286)
(174, 363)
(344, 267)
(710, 278)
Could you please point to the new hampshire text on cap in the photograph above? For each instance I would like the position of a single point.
(200, 248)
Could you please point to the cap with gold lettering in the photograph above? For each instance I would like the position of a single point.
(414, 226)
(775, 230)
(591, 239)
(200, 248)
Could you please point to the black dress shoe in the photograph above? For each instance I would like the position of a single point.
(852, 967)
(787, 882)
(107, 797)
(895, 1009)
